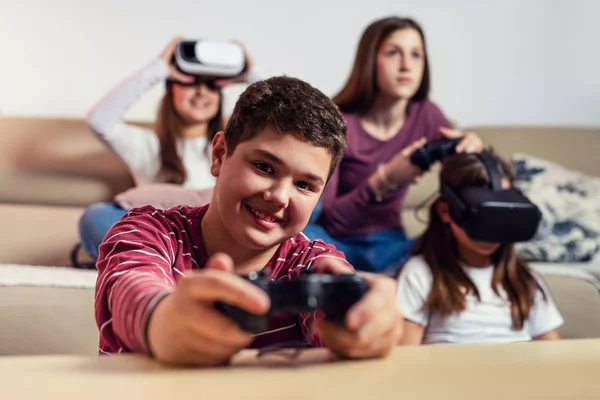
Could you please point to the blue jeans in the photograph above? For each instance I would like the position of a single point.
(95, 222)
(380, 252)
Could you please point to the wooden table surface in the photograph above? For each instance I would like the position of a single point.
(566, 369)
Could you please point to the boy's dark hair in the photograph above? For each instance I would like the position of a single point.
(290, 106)
(439, 249)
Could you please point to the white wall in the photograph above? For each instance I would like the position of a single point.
(493, 61)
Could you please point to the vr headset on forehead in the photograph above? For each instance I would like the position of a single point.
(492, 214)
(209, 59)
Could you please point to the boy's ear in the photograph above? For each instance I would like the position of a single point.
(443, 211)
(219, 153)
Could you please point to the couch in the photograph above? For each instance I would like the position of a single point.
(51, 169)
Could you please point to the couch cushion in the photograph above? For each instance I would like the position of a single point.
(38, 235)
(61, 152)
(51, 189)
(577, 296)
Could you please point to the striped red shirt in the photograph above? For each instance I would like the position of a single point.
(144, 254)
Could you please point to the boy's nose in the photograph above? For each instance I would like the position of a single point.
(279, 194)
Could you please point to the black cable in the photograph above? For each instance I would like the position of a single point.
(296, 346)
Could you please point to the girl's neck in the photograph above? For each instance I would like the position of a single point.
(199, 129)
(386, 117)
(474, 260)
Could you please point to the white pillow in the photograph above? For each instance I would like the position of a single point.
(162, 196)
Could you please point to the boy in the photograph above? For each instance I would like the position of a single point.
(160, 272)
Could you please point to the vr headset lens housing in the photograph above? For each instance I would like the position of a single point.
(492, 214)
(210, 58)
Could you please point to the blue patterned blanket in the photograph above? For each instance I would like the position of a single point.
(570, 204)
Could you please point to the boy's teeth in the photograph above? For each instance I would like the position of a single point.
(263, 216)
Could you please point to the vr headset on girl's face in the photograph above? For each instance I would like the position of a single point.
(492, 214)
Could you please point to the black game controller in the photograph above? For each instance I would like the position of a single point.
(434, 151)
(331, 294)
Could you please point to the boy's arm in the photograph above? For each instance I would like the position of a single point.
(135, 272)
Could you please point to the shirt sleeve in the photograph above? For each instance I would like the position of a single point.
(344, 211)
(414, 285)
(133, 144)
(544, 315)
(134, 273)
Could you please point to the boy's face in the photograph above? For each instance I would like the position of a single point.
(267, 189)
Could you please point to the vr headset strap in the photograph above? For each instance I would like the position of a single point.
(492, 169)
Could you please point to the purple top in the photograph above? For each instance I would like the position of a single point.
(349, 204)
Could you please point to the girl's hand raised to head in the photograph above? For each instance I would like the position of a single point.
(471, 143)
(167, 56)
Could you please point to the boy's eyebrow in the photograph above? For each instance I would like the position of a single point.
(269, 155)
(310, 176)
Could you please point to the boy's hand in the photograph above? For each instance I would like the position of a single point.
(373, 326)
(185, 328)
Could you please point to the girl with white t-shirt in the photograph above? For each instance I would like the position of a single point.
(457, 290)
(175, 154)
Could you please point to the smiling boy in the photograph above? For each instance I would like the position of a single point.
(161, 271)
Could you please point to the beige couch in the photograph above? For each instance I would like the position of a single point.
(52, 168)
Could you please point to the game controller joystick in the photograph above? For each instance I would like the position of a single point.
(331, 294)
(434, 151)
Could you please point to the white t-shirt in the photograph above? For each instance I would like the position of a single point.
(485, 321)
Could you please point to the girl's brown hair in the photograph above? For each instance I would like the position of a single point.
(439, 249)
(359, 92)
(169, 127)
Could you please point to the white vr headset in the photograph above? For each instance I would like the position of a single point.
(209, 58)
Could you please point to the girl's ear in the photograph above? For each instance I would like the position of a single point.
(219, 153)
(443, 211)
